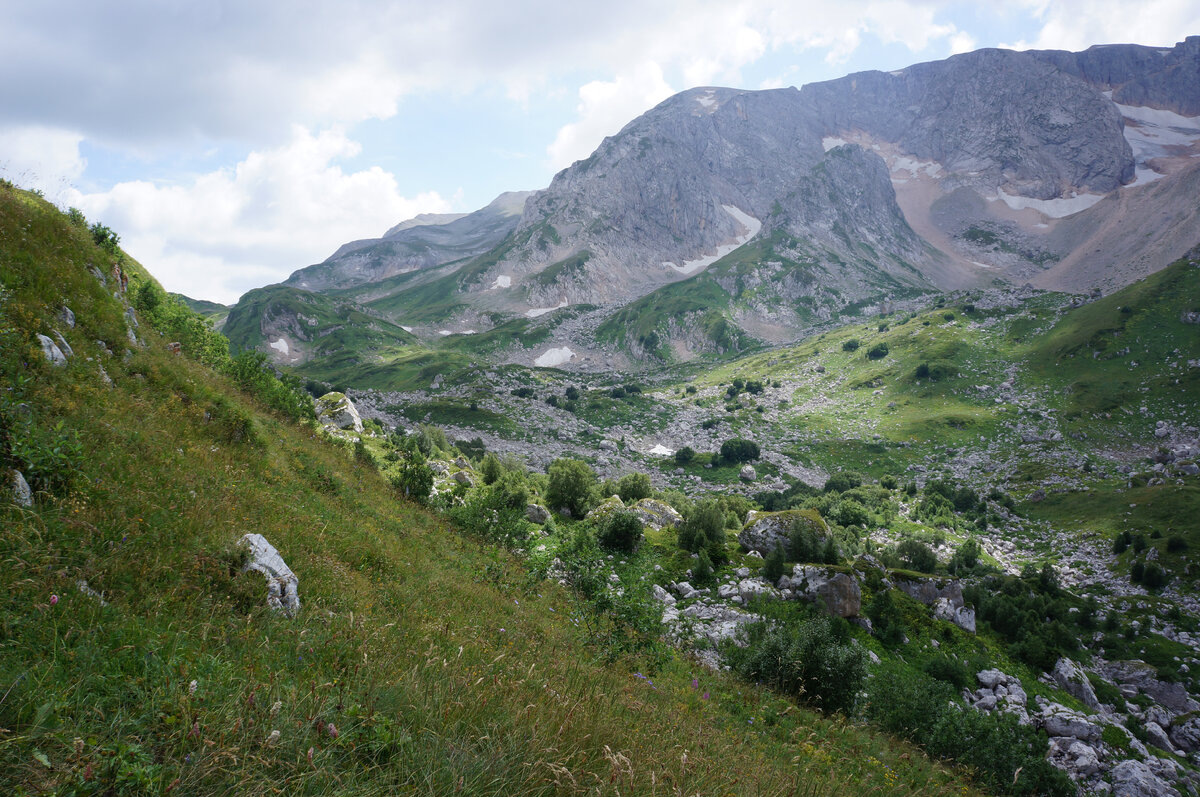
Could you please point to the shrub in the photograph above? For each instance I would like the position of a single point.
(851, 345)
(886, 620)
(888, 482)
(703, 530)
(916, 555)
(620, 531)
(489, 469)
(572, 486)
(571, 393)
(812, 660)
(413, 478)
(965, 558)
(950, 670)
(738, 450)
(841, 482)
(849, 512)
(1176, 544)
(877, 352)
(774, 565)
(685, 455)
(634, 487)
(490, 515)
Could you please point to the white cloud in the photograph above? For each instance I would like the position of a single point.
(605, 107)
(1078, 24)
(277, 210)
(39, 157)
(962, 42)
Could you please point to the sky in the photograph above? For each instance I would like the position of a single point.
(231, 142)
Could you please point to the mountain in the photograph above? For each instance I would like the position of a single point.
(724, 219)
(427, 240)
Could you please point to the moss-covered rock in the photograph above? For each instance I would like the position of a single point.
(764, 531)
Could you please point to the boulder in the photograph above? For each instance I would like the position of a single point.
(62, 344)
(928, 591)
(608, 445)
(282, 585)
(464, 478)
(66, 316)
(1185, 733)
(1143, 677)
(753, 587)
(22, 495)
(656, 514)
(1071, 678)
(1134, 779)
(1058, 720)
(662, 595)
(1158, 737)
(747, 473)
(990, 679)
(607, 507)
(50, 350)
(764, 531)
(536, 513)
(438, 467)
(838, 593)
(338, 411)
(961, 616)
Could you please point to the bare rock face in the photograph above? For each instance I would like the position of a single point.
(338, 411)
(764, 531)
(1071, 678)
(1186, 734)
(1134, 779)
(536, 513)
(837, 592)
(51, 351)
(282, 584)
(22, 495)
(656, 514)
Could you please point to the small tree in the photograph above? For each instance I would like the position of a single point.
(571, 486)
(739, 450)
(916, 555)
(620, 531)
(634, 487)
(685, 455)
(704, 530)
(490, 469)
(774, 565)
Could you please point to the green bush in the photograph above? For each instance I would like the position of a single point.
(620, 531)
(841, 482)
(916, 555)
(489, 514)
(774, 566)
(851, 345)
(684, 455)
(412, 477)
(489, 469)
(877, 352)
(813, 660)
(703, 530)
(634, 487)
(1008, 757)
(739, 450)
(950, 670)
(571, 486)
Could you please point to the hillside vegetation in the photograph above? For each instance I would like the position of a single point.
(137, 658)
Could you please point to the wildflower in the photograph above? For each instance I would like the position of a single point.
(273, 738)
(53, 599)
(278, 704)
(193, 686)
(78, 746)
(310, 755)
(695, 683)
(195, 731)
(705, 696)
(332, 730)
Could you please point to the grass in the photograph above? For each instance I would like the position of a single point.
(442, 665)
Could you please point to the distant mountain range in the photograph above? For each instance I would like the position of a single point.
(723, 217)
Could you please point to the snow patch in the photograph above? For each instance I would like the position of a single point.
(280, 346)
(553, 357)
(977, 263)
(1054, 208)
(707, 100)
(444, 332)
(502, 281)
(915, 167)
(661, 451)
(540, 311)
(1041, 225)
(748, 222)
(1143, 175)
(829, 142)
(896, 73)
(1150, 131)
(406, 329)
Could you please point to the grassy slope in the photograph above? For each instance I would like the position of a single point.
(213, 311)
(440, 663)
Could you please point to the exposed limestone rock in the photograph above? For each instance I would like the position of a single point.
(282, 584)
(764, 531)
(1071, 678)
(961, 616)
(338, 411)
(1058, 720)
(1186, 734)
(536, 513)
(747, 473)
(1141, 676)
(607, 507)
(22, 495)
(66, 316)
(837, 592)
(656, 514)
(1135, 779)
(464, 478)
(53, 354)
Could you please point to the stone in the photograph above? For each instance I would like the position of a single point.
(662, 595)
(536, 513)
(283, 587)
(1138, 674)
(764, 531)
(1058, 720)
(66, 316)
(961, 616)
(462, 462)
(1071, 678)
(438, 467)
(656, 514)
(1185, 734)
(838, 593)
(1084, 759)
(747, 473)
(608, 445)
(22, 495)
(464, 478)
(50, 350)
(753, 587)
(1158, 737)
(336, 410)
(990, 679)
(607, 507)
(1134, 779)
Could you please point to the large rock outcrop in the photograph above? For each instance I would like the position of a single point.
(283, 587)
(337, 411)
(765, 531)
